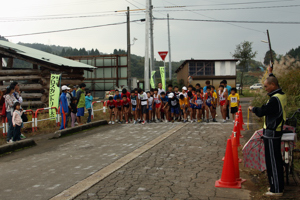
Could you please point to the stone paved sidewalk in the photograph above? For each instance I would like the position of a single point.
(183, 166)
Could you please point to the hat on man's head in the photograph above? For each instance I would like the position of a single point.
(64, 87)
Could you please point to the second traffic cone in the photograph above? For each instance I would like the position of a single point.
(236, 159)
(237, 124)
(233, 135)
(241, 121)
(228, 178)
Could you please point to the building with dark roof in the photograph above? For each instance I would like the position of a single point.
(212, 70)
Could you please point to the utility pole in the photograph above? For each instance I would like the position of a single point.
(146, 72)
(128, 50)
(152, 63)
(170, 60)
(271, 53)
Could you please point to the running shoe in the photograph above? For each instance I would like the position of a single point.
(184, 121)
(167, 121)
(207, 121)
(109, 122)
(22, 137)
(214, 120)
(192, 121)
(144, 122)
(112, 122)
(173, 121)
(126, 122)
(199, 121)
(224, 120)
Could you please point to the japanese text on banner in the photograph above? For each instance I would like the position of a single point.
(54, 94)
(162, 74)
(152, 80)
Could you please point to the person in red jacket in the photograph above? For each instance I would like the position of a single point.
(125, 107)
(111, 104)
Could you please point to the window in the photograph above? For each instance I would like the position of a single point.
(202, 68)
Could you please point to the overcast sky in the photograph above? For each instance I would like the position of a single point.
(198, 40)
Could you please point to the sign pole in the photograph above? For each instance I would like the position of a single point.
(165, 77)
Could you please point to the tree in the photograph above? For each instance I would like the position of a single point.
(244, 53)
(267, 58)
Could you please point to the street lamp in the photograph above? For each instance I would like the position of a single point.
(271, 53)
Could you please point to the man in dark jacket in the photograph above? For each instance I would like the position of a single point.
(274, 117)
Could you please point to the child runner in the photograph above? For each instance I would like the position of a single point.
(134, 103)
(234, 102)
(173, 102)
(125, 107)
(150, 103)
(117, 94)
(208, 99)
(88, 105)
(137, 111)
(119, 109)
(192, 106)
(214, 103)
(184, 105)
(73, 111)
(198, 101)
(144, 103)
(203, 107)
(184, 91)
(198, 87)
(157, 101)
(165, 106)
(17, 121)
(223, 101)
(111, 104)
(190, 88)
(153, 107)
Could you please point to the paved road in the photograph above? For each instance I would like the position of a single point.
(184, 166)
(43, 173)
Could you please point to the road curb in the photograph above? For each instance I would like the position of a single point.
(16, 145)
(83, 127)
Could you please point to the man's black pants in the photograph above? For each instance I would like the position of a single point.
(274, 164)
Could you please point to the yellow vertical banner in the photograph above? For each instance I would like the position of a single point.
(152, 80)
(54, 94)
(162, 74)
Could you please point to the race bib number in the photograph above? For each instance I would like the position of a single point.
(133, 102)
(199, 101)
(233, 99)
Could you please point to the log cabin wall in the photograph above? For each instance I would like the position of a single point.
(34, 83)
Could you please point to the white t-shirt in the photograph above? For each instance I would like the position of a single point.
(160, 91)
(150, 100)
(143, 97)
(185, 94)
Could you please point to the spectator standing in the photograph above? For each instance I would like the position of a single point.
(64, 109)
(73, 111)
(80, 95)
(17, 121)
(88, 105)
(17, 92)
(10, 99)
(69, 98)
(228, 87)
(274, 117)
(74, 90)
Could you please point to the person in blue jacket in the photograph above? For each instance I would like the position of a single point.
(88, 105)
(64, 109)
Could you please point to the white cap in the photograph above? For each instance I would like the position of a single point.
(184, 88)
(171, 95)
(64, 87)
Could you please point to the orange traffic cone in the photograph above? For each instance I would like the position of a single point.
(241, 121)
(232, 135)
(236, 159)
(228, 179)
(238, 127)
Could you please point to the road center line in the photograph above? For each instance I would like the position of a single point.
(87, 183)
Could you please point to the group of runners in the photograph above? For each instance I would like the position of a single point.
(193, 104)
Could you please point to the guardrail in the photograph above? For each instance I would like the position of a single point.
(41, 109)
(103, 108)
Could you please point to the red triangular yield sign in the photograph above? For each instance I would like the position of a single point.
(163, 54)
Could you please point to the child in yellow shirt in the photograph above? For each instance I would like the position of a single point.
(184, 104)
(234, 102)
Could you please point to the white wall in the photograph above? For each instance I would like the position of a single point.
(225, 68)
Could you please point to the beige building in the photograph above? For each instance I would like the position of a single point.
(213, 70)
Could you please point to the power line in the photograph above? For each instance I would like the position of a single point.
(71, 29)
(223, 4)
(244, 8)
(233, 21)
